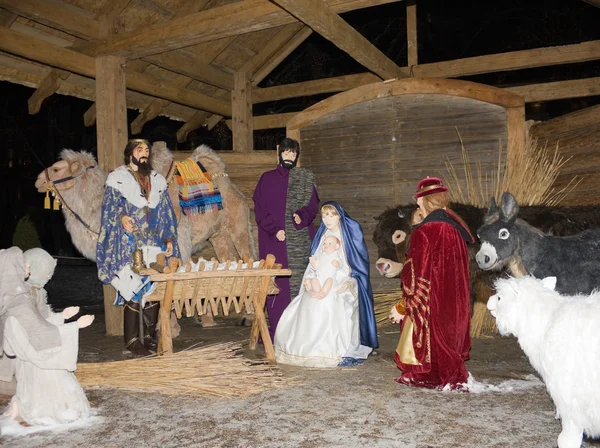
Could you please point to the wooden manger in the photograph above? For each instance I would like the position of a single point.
(216, 291)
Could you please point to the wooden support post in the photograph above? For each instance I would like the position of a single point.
(111, 132)
(515, 129)
(165, 342)
(241, 108)
(411, 32)
(259, 326)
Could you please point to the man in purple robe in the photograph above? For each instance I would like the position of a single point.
(285, 206)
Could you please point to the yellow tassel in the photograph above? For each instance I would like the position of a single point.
(47, 201)
(56, 204)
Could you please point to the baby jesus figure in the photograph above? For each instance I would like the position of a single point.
(325, 268)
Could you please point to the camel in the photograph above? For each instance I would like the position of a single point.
(228, 230)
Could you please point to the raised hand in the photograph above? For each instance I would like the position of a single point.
(85, 321)
(128, 223)
(297, 219)
(395, 316)
(69, 312)
(280, 235)
(169, 250)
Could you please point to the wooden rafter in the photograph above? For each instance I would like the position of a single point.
(7, 18)
(558, 90)
(514, 60)
(283, 35)
(283, 53)
(307, 88)
(331, 26)
(193, 123)
(216, 23)
(37, 50)
(56, 14)
(47, 87)
(411, 32)
(287, 39)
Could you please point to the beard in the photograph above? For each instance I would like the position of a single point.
(287, 164)
(143, 164)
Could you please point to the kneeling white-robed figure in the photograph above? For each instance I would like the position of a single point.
(40, 349)
(334, 326)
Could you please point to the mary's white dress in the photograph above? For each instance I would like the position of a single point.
(320, 332)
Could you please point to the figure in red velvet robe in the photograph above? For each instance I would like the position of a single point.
(434, 338)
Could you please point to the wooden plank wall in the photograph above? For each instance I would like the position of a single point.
(578, 136)
(371, 155)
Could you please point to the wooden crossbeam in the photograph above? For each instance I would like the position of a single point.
(274, 44)
(38, 50)
(331, 26)
(149, 113)
(195, 122)
(47, 87)
(514, 60)
(283, 53)
(216, 23)
(558, 90)
(56, 14)
(307, 88)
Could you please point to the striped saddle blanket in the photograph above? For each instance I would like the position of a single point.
(197, 192)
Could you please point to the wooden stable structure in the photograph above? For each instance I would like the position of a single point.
(370, 146)
(217, 291)
(200, 61)
(577, 136)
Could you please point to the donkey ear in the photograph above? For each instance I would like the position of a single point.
(401, 213)
(492, 210)
(508, 208)
(74, 167)
(549, 282)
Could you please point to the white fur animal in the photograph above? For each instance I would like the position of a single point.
(560, 336)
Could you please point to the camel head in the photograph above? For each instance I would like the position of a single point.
(161, 157)
(70, 163)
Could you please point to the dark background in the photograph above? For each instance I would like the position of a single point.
(446, 30)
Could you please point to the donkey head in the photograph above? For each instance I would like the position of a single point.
(499, 242)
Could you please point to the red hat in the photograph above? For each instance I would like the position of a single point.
(430, 185)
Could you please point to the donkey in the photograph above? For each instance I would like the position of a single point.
(509, 241)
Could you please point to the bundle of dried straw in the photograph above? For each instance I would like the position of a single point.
(384, 300)
(535, 170)
(218, 370)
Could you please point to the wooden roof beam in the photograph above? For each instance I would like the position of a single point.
(57, 14)
(7, 18)
(47, 87)
(216, 23)
(514, 60)
(308, 88)
(411, 32)
(332, 27)
(194, 123)
(40, 51)
(558, 90)
(283, 53)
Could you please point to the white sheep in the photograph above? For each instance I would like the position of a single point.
(560, 336)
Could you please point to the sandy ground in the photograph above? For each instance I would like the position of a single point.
(349, 407)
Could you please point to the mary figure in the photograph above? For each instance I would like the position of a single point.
(334, 326)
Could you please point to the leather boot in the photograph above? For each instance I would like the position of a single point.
(150, 318)
(131, 327)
